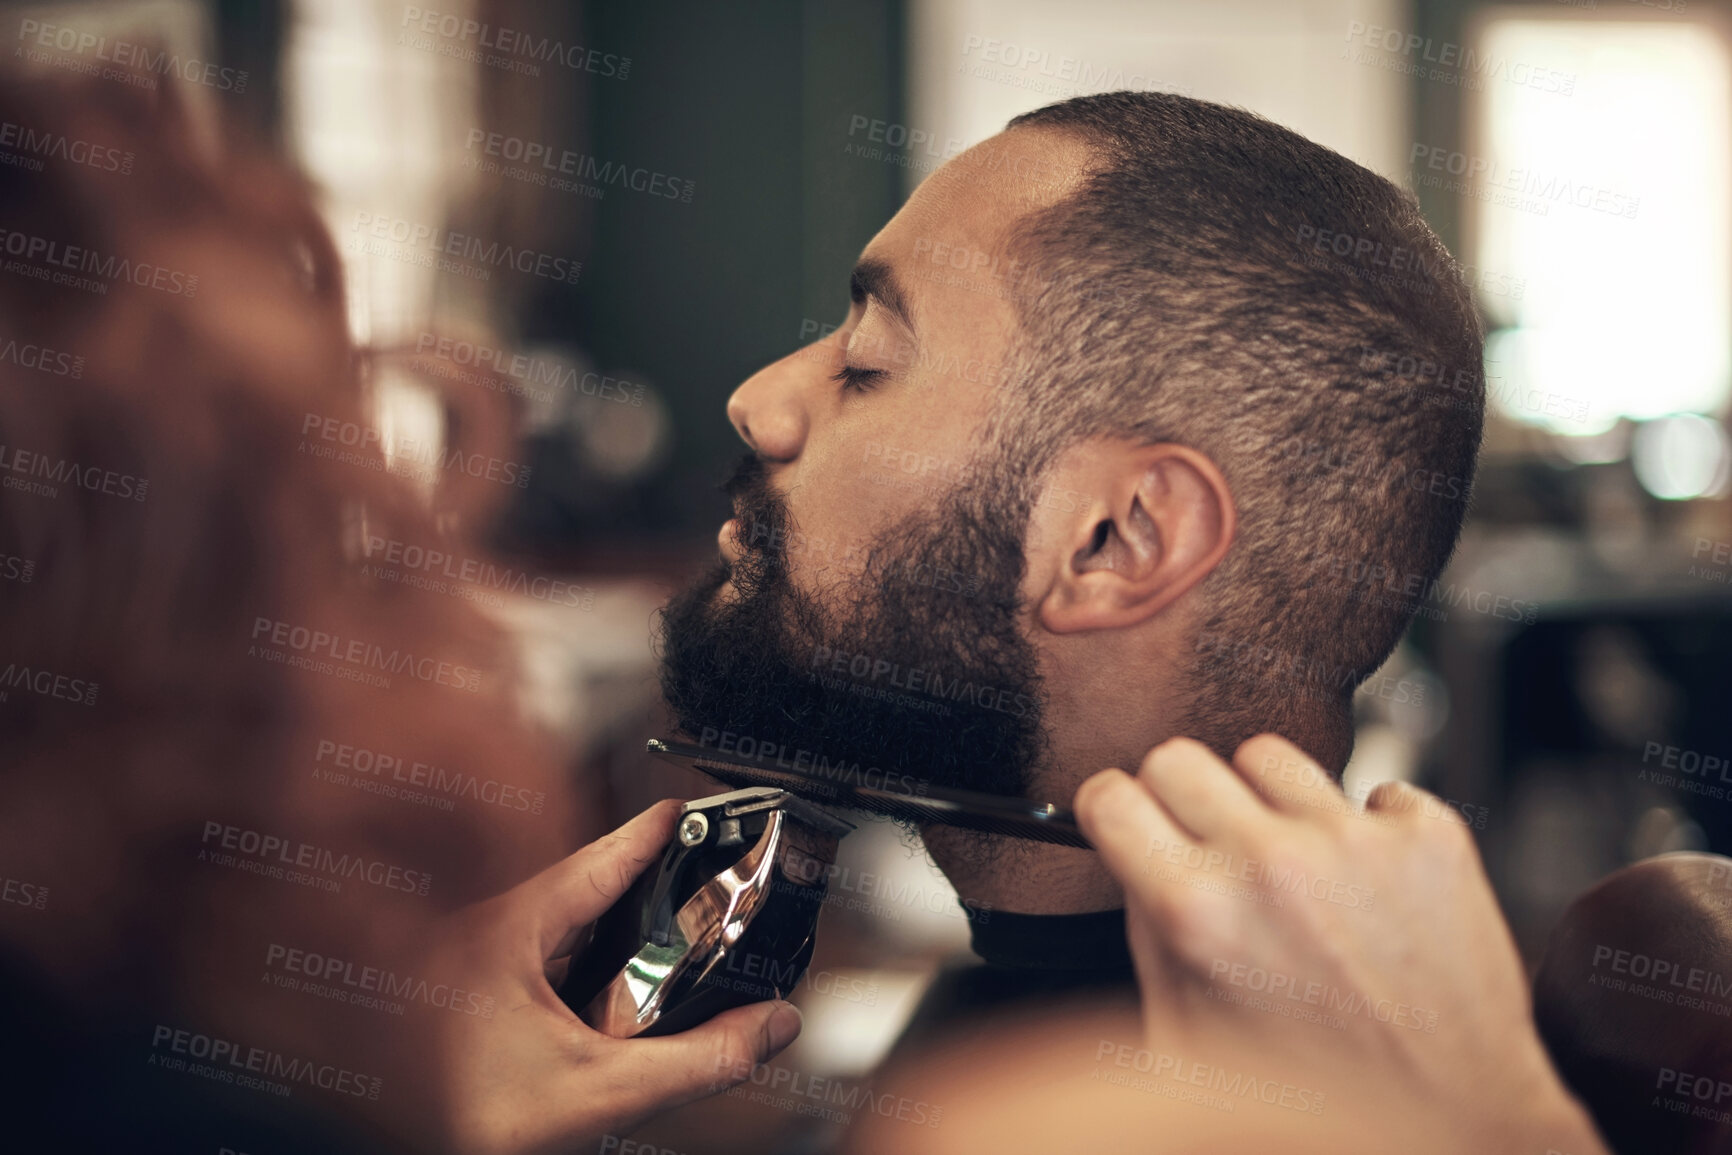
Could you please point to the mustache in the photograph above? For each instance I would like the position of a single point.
(750, 480)
(761, 511)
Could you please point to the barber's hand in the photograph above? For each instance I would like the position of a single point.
(533, 1077)
(1261, 902)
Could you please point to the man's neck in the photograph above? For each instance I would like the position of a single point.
(1023, 877)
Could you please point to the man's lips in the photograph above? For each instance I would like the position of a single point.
(728, 541)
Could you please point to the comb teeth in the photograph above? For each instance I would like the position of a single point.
(968, 810)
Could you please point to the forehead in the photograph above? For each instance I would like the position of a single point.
(958, 220)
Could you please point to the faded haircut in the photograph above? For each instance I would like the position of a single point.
(1221, 282)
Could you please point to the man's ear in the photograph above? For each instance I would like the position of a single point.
(1149, 522)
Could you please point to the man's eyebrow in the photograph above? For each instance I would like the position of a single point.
(873, 278)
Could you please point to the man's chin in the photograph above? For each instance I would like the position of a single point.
(976, 862)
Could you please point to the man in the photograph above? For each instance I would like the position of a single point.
(1161, 394)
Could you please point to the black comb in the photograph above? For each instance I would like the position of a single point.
(967, 809)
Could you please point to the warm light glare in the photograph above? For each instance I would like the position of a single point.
(1609, 203)
(1680, 457)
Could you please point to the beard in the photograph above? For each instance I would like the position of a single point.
(921, 670)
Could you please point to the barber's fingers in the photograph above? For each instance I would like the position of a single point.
(571, 894)
(1287, 779)
(1168, 915)
(712, 1057)
(1202, 792)
(1405, 801)
(1126, 825)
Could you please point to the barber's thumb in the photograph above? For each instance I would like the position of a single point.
(723, 1052)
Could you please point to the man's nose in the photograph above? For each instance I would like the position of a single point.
(769, 413)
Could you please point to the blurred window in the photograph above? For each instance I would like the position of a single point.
(1597, 170)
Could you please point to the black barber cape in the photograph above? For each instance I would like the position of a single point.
(1030, 962)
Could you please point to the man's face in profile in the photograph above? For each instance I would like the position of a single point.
(868, 607)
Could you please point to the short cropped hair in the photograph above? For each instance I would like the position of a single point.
(1221, 282)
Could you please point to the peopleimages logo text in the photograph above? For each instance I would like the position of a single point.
(45, 473)
(237, 1060)
(566, 163)
(367, 980)
(57, 146)
(42, 359)
(408, 456)
(80, 259)
(281, 851)
(512, 42)
(47, 683)
(355, 652)
(127, 54)
(418, 236)
(437, 563)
